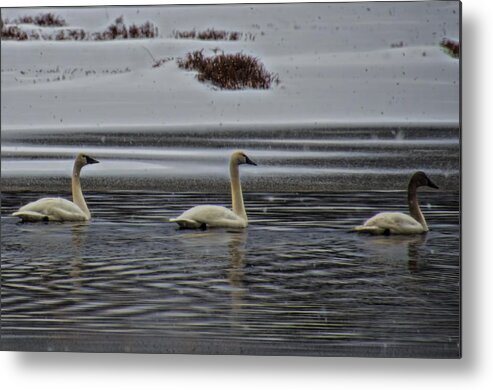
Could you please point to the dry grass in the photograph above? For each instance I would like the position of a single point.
(209, 35)
(117, 30)
(229, 71)
(184, 34)
(67, 35)
(397, 45)
(451, 47)
(13, 33)
(43, 20)
(58, 74)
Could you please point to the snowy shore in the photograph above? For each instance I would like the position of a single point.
(369, 70)
(342, 63)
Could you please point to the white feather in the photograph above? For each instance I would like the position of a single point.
(391, 223)
(210, 216)
(51, 209)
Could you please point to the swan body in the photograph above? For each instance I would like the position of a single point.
(210, 216)
(201, 217)
(50, 209)
(400, 223)
(59, 209)
(391, 223)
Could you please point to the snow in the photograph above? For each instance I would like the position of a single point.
(335, 62)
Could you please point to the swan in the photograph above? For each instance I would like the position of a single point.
(218, 216)
(400, 223)
(59, 209)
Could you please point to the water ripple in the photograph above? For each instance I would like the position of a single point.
(296, 275)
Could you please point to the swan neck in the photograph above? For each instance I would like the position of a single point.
(414, 209)
(77, 196)
(236, 193)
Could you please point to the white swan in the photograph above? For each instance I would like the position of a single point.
(400, 223)
(218, 216)
(59, 209)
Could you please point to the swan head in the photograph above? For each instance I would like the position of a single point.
(421, 180)
(83, 160)
(239, 157)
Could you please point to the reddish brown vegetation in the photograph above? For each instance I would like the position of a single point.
(452, 47)
(208, 35)
(229, 71)
(44, 20)
(117, 30)
(13, 33)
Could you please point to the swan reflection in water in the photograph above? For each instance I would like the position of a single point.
(397, 249)
(79, 233)
(219, 244)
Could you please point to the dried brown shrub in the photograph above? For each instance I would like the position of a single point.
(68, 35)
(208, 35)
(13, 33)
(50, 20)
(44, 20)
(118, 30)
(184, 34)
(451, 46)
(229, 71)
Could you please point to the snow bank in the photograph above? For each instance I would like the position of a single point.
(338, 63)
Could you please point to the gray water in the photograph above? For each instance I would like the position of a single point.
(296, 282)
(184, 160)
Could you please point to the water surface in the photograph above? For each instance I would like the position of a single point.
(289, 159)
(296, 282)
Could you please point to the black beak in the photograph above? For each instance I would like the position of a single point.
(432, 185)
(90, 160)
(248, 161)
